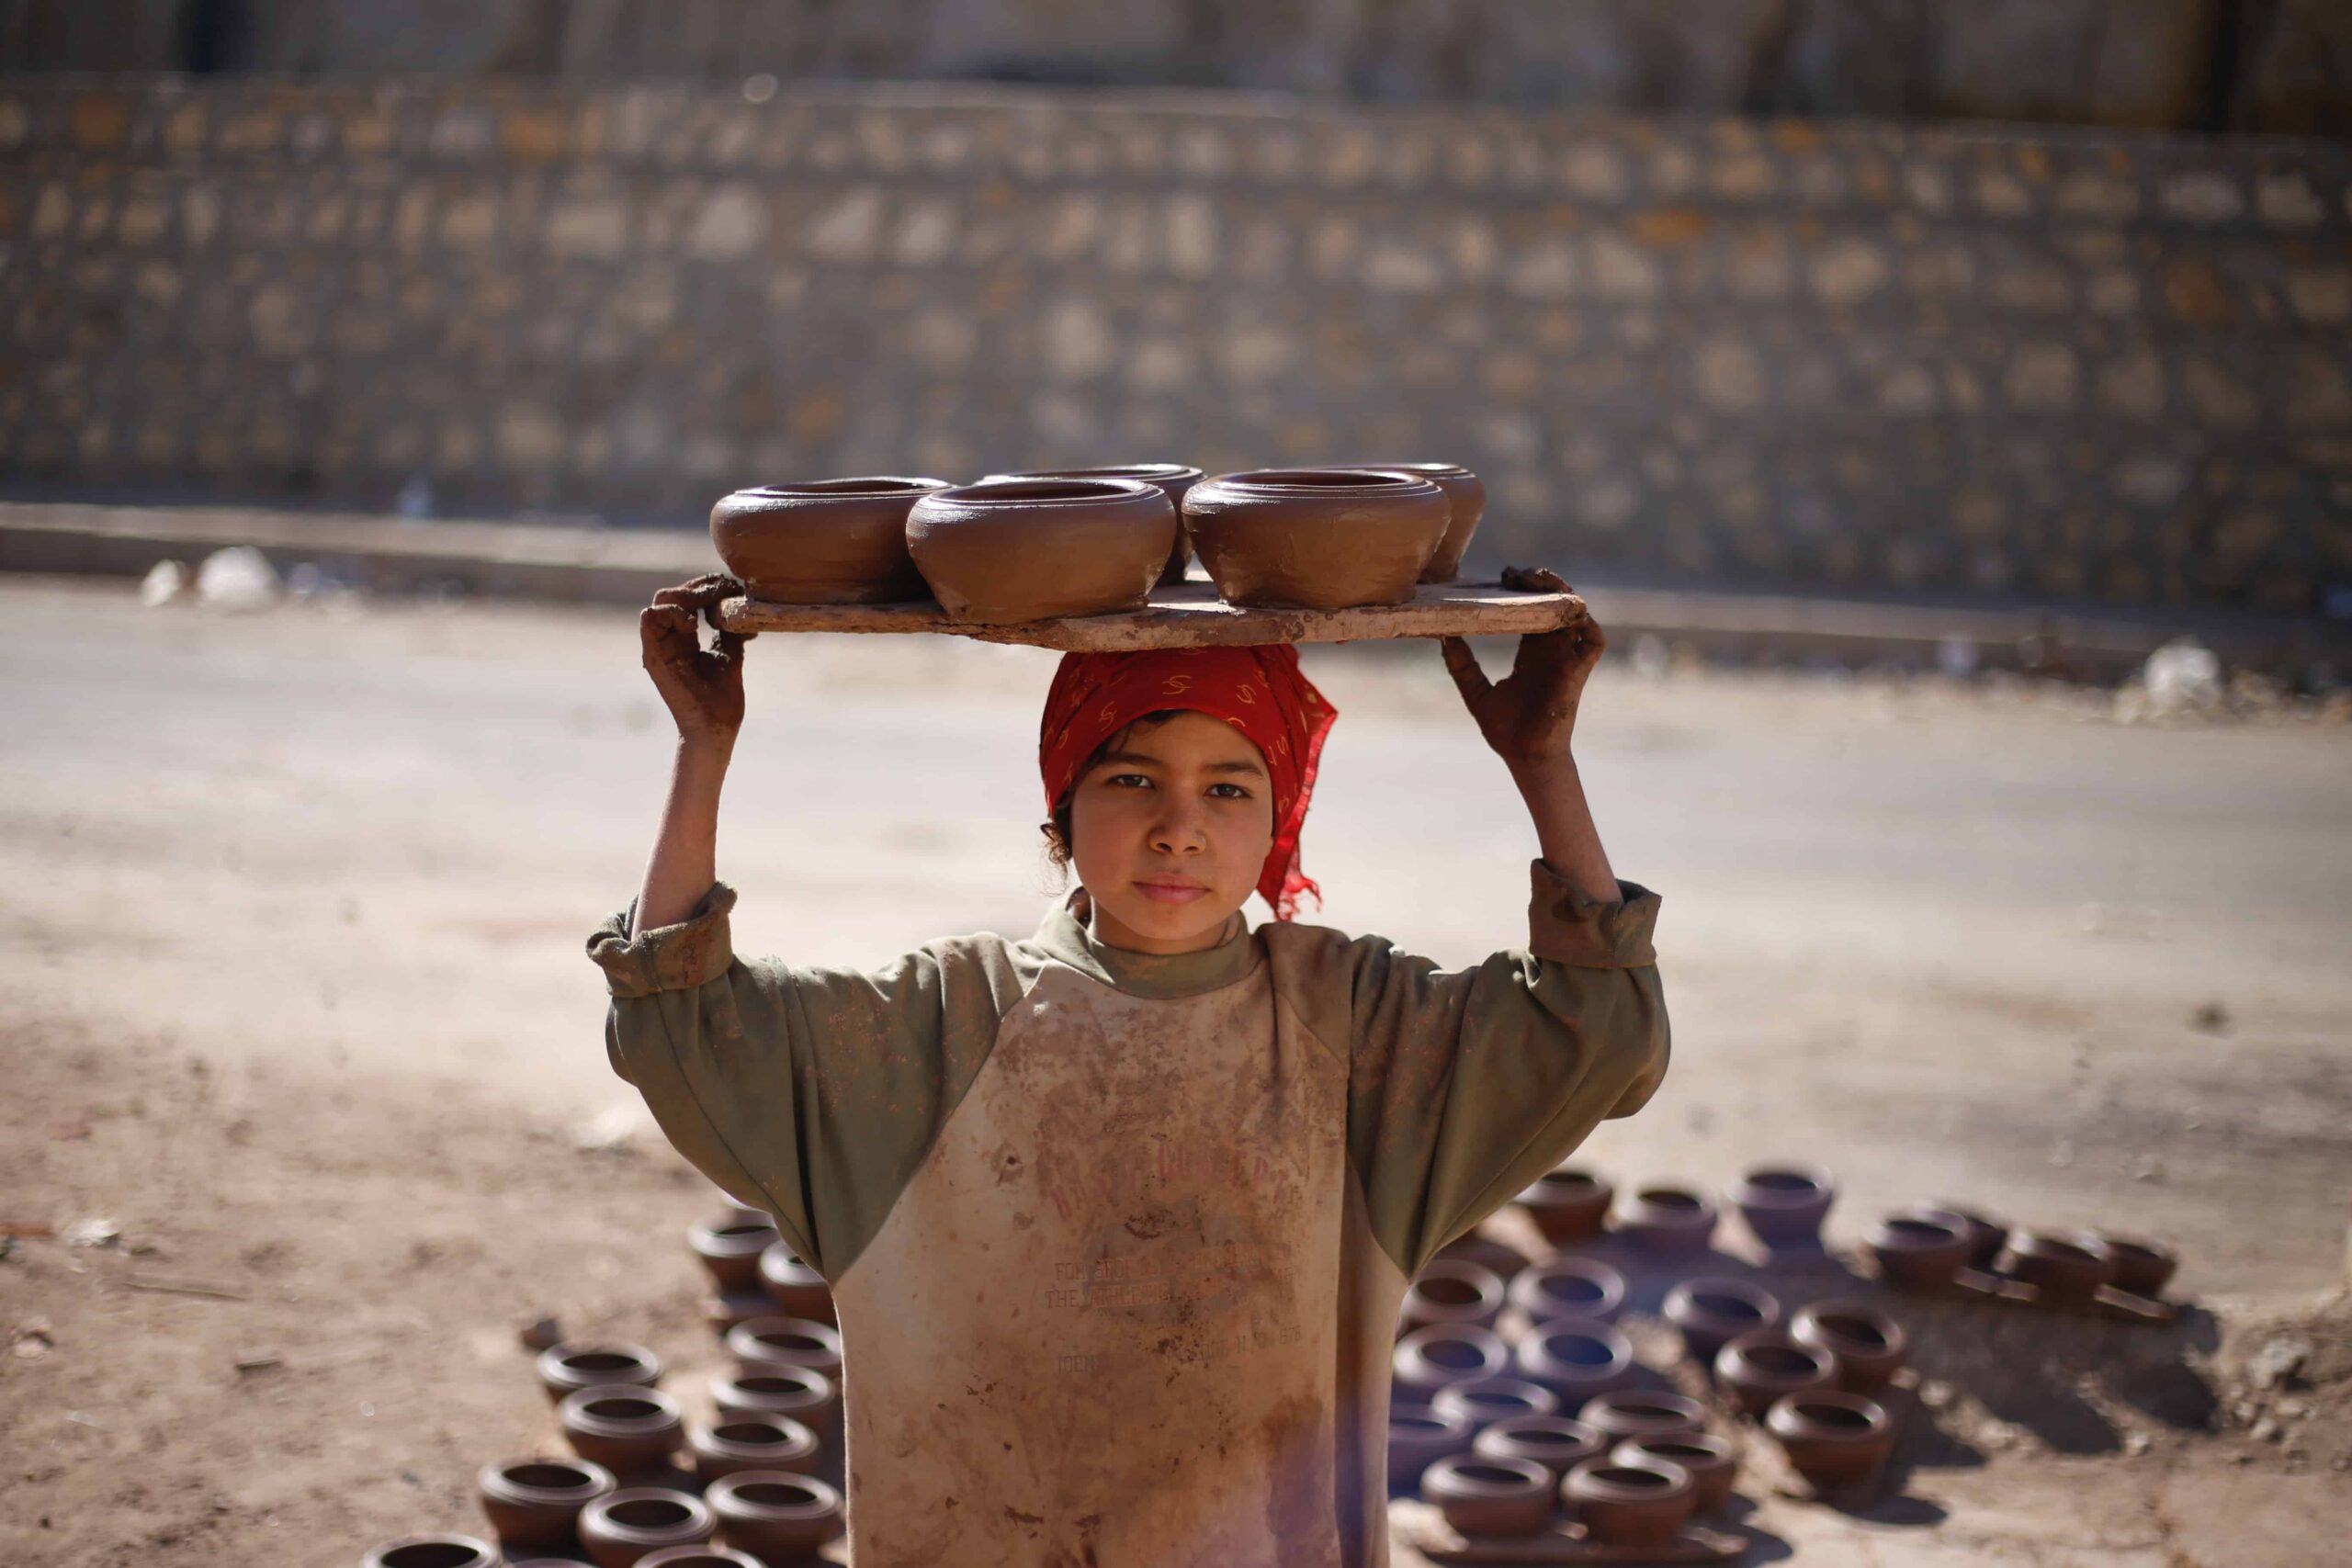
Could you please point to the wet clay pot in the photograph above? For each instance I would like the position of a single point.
(1568, 1204)
(1784, 1204)
(623, 1527)
(1635, 1505)
(730, 1250)
(1316, 538)
(787, 1341)
(1173, 480)
(1576, 1358)
(1713, 1462)
(433, 1551)
(798, 1394)
(1759, 1367)
(1667, 1217)
(797, 1290)
(1451, 1290)
(1987, 1236)
(1478, 1497)
(1008, 551)
(1555, 1442)
(567, 1369)
(752, 1442)
(1429, 1359)
(823, 541)
(1919, 1249)
(536, 1503)
(1465, 504)
(2141, 1267)
(725, 1309)
(1485, 1401)
(630, 1431)
(1642, 1413)
(704, 1556)
(1419, 1436)
(1833, 1440)
(1868, 1346)
(777, 1517)
(2066, 1269)
(1710, 1312)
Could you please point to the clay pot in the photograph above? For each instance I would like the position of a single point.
(797, 1290)
(567, 1369)
(1987, 1236)
(1466, 503)
(1919, 1249)
(1505, 1261)
(1629, 1413)
(704, 1556)
(2141, 1267)
(1666, 1217)
(1568, 1204)
(1316, 538)
(1555, 1442)
(1641, 1505)
(533, 1503)
(630, 1431)
(775, 1389)
(2067, 1269)
(1007, 551)
(775, 1514)
(553, 1561)
(787, 1341)
(1419, 1436)
(752, 1442)
(1429, 1359)
(1485, 1401)
(1784, 1204)
(725, 1309)
(622, 1528)
(1173, 480)
(730, 1250)
(824, 541)
(1505, 1497)
(1576, 1358)
(1451, 1290)
(1833, 1440)
(1570, 1287)
(1710, 1312)
(1713, 1462)
(1868, 1346)
(1759, 1367)
(433, 1551)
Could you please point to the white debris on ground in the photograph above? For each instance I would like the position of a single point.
(237, 578)
(2180, 680)
(165, 581)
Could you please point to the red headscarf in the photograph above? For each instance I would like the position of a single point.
(1259, 691)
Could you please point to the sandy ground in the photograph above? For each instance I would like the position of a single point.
(291, 907)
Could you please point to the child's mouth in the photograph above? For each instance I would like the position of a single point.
(1171, 892)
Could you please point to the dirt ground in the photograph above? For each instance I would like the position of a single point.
(291, 907)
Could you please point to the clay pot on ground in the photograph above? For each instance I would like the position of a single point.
(1570, 1287)
(1485, 1401)
(1451, 1290)
(2066, 1269)
(1557, 1442)
(772, 1389)
(1466, 503)
(1490, 1497)
(1636, 1505)
(567, 1369)
(1713, 1462)
(1785, 1204)
(1868, 1346)
(1504, 1261)
(1429, 1359)
(1626, 1412)
(1576, 1358)
(536, 1503)
(1710, 1312)
(1987, 1236)
(787, 1341)
(630, 1431)
(1316, 538)
(1759, 1367)
(433, 1551)
(1568, 1204)
(2141, 1267)
(1919, 1249)
(797, 1290)
(1008, 551)
(1419, 1436)
(1173, 479)
(704, 1556)
(752, 1442)
(730, 1250)
(1667, 1217)
(822, 541)
(777, 1517)
(723, 1310)
(620, 1529)
(1834, 1440)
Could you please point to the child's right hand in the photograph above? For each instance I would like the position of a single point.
(704, 689)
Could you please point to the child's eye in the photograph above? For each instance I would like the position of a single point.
(1127, 781)
(1238, 792)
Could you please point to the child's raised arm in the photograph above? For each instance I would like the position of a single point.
(704, 690)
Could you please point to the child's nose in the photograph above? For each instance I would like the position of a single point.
(1179, 830)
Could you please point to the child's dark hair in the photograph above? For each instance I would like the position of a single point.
(1056, 828)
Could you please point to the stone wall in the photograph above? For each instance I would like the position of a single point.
(1843, 355)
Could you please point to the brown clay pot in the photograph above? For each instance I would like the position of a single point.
(797, 1290)
(2141, 1267)
(704, 1556)
(1485, 1401)
(622, 1528)
(752, 1442)
(1316, 538)
(1832, 1438)
(1667, 1217)
(1576, 1358)
(536, 1503)
(1919, 1249)
(1710, 1312)
(630, 1431)
(1713, 1462)
(1451, 1290)
(775, 1514)
(1429, 1359)
(1642, 1413)
(1555, 1442)
(1761, 1366)
(1570, 1287)
(730, 1250)
(1639, 1504)
(1008, 551)
(1173, 480)
(549, 1562)
(823, 541)
(1465, 504)
(433, 1551)
(1987, 1236)
(773, 1389)
(1490, 1497)
(1419, 1436)
(568, 1368)
(2067, 1269)
(1505, 1261)
(1568, 1204)
(1869, 1346)
(787, 1341)
(723, 1310)
(1784, 1204)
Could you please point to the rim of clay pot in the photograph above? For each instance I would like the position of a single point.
(619, 1410)
(786, 1267)
(1708, 1450)
(781, 1496)
(576, 1366)
(1732, 1305)
(2139, 1248)
(706, 1555)
(1486, 1478)
(1826, 1415)
(731, 1238)
(1425, 1424)
(1485, 1401)
(1452, 1290)
(1920, 1229)
(1419, 470)
(1601, 1297)
(1768, 1359)
(1325, 481)
(2069, 1246)
(790, 1341)
(777, 1437)
(1672, 1198)
(543, 1481)
(1565, 1183)
(1849, 1328)
(1149, 473)
(1784, 1184)
(1029, 493)
(1461, 1351)
(1565, 1437)
(773, 1386)
(434, 1551)
(1586, 1341)
(1642, 1413)
(635, 1513)
(858, 484)
(1604, 1480)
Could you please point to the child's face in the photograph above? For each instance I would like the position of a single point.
(1168, 832)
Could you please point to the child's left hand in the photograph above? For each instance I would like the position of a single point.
(1528, 716)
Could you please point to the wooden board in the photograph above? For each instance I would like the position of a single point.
(1192, 616)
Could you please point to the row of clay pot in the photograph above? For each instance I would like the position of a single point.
(768, 1517)
(1632, 1497)
(755, 1274)
(1784, 1205)
(1048, 542)
(1926, 1246)
(1461, 1290)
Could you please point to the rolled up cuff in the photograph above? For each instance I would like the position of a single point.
(1566, 925)
(679, 957)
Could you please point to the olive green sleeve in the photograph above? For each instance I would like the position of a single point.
(813, 1093)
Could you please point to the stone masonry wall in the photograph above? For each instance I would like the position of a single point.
(1843, 355)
